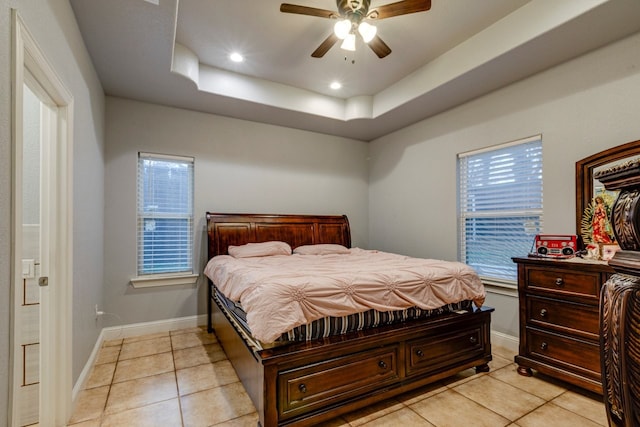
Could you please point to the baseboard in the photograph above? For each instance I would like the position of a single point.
(145, 328)
(132, 330)
(505, 341)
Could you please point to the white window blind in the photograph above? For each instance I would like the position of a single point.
(165, 214)
(500, 199)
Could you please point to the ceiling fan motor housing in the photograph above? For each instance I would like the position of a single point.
(355, 10)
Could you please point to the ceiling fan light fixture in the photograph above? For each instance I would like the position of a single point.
(342, 28)
(367, 31)
(349, 42)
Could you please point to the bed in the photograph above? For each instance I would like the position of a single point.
(313, 380)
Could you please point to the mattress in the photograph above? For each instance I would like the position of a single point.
(330, 326)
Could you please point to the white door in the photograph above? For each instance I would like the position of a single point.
(27, 292)
(41, 236)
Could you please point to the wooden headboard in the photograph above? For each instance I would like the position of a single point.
(238, 229)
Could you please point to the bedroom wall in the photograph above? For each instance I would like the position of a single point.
(52, 24)
(581, 107)
(240, 166)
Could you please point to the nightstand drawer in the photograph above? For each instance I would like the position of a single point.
(564, 282)
(575, 355)
(576, 319)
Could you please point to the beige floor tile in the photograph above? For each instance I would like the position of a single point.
(421, 393)
(371, 412)
(541, 386)
(145, 366)
(502, 398)
(141, 392)
(108, 355)
(90, 404)
(90, 423)
(503, 352)
(146, 337)
(552, 415)
(215, 405)
(197, 329)
(101, 375)
(402, 417)
(589, 405)
(192, 339)
(250, 420)
(203, 377)
(451, 409)
(145, 347)
(162, 414)
(157, 374)
(461, 377)
(194, 356)
(499, 362)
(112, 343)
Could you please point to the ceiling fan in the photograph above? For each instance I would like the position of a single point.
(352, 16)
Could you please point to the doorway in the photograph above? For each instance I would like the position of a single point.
(41, 238)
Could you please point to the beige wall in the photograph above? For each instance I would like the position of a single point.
(240, 166)
(580, 108)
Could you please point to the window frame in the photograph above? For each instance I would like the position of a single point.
(169, 278)
(463, 215)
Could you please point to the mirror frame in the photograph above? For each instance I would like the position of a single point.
(584, 174)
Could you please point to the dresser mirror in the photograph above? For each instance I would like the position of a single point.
(587, 187)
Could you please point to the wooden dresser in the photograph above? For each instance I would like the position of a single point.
(559, 319)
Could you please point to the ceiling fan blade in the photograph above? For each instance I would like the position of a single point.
(399, 8)
(325, 46)
(379, 47)
(304, 10)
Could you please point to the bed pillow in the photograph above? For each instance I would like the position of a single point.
(321, 249)
(260, 249)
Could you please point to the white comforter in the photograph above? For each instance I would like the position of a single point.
(281, 292)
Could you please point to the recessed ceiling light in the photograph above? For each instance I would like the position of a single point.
(236, 57)
(335, 85)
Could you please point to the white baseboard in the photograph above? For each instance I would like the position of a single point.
(145, 328)
(132, 330)
(508, 342)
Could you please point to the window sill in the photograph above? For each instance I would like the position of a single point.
(172, 280)
(501, 287)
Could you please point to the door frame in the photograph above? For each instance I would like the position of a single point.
(29, 62)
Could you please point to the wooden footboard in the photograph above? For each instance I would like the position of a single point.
(306, 383)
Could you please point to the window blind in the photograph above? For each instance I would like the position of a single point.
(165, 214)
(500, 202)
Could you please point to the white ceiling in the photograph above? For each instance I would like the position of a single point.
(175, 53)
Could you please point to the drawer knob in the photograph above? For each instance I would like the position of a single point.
(543, 312)
(473, 340)
(419, 352)
(559, 281)
(382, 364)
(302, 388)
(544, 346)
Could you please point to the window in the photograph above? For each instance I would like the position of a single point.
(500, 201)
(165, 214)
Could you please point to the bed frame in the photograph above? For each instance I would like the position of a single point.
(306, 383)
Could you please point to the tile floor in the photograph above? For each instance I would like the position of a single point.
(183, 378)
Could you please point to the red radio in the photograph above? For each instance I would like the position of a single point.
(556, 245)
